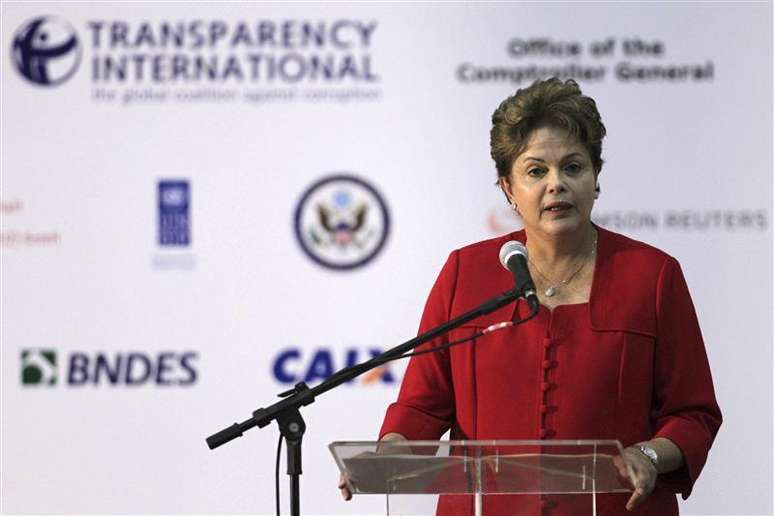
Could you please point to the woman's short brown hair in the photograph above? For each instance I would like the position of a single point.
(546, 103)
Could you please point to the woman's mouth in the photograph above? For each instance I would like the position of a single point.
(557, 207)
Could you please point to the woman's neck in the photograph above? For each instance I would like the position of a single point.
(553, 251)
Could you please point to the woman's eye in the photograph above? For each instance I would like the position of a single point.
(535, 172)
(573, 168)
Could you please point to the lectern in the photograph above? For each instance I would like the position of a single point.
(583, 468)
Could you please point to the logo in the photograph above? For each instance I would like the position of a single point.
(46, 51)
(142, 62)
(166, 368)
(174, 213)
(294, 365)
(341, 222)
(503, 220)
(38, 367)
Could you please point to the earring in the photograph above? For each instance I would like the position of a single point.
(596, 191)
(514, 207)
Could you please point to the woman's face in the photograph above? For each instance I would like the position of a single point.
(552, 183)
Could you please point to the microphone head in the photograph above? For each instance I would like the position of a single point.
(509, 249)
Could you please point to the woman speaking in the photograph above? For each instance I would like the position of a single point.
(615, 351)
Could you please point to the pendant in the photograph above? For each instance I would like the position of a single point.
(550, 291)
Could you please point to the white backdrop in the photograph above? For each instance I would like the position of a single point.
(407, 109)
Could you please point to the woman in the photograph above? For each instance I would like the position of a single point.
(615, 351)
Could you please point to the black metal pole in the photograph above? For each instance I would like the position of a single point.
(286, 411)
(292, 426)
(295, 496)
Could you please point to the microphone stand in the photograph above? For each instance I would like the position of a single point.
(286, 411)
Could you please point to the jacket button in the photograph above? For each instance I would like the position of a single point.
(547, 343)
(545, 386)
(546, 432)
(548, 364)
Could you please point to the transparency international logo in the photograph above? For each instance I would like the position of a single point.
(46, 51)
(42, 367)
(341, 222)
(174, 204)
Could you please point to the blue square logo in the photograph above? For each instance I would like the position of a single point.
(174, 213)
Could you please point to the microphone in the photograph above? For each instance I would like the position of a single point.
(513, 256)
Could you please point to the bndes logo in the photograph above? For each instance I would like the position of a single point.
(39, 367)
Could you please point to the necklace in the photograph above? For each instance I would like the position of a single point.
(551, 290)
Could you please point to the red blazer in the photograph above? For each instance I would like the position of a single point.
(629, 365)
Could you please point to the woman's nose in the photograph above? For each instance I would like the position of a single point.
(555, 182)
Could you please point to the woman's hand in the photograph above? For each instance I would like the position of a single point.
(644, 472)
(344, 487)
(344, 479)
(642, 478)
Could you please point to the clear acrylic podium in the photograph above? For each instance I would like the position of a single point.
(483, 468)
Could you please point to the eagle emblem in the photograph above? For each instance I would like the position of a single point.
(341, 226)
(341, 222)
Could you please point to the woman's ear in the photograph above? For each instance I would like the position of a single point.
(597, 190)
(505, 186)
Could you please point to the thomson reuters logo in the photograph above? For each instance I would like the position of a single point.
(42, 367)
(46, 51)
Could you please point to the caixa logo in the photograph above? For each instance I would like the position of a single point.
(296, 364)
(47, 367)
(46, 51)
